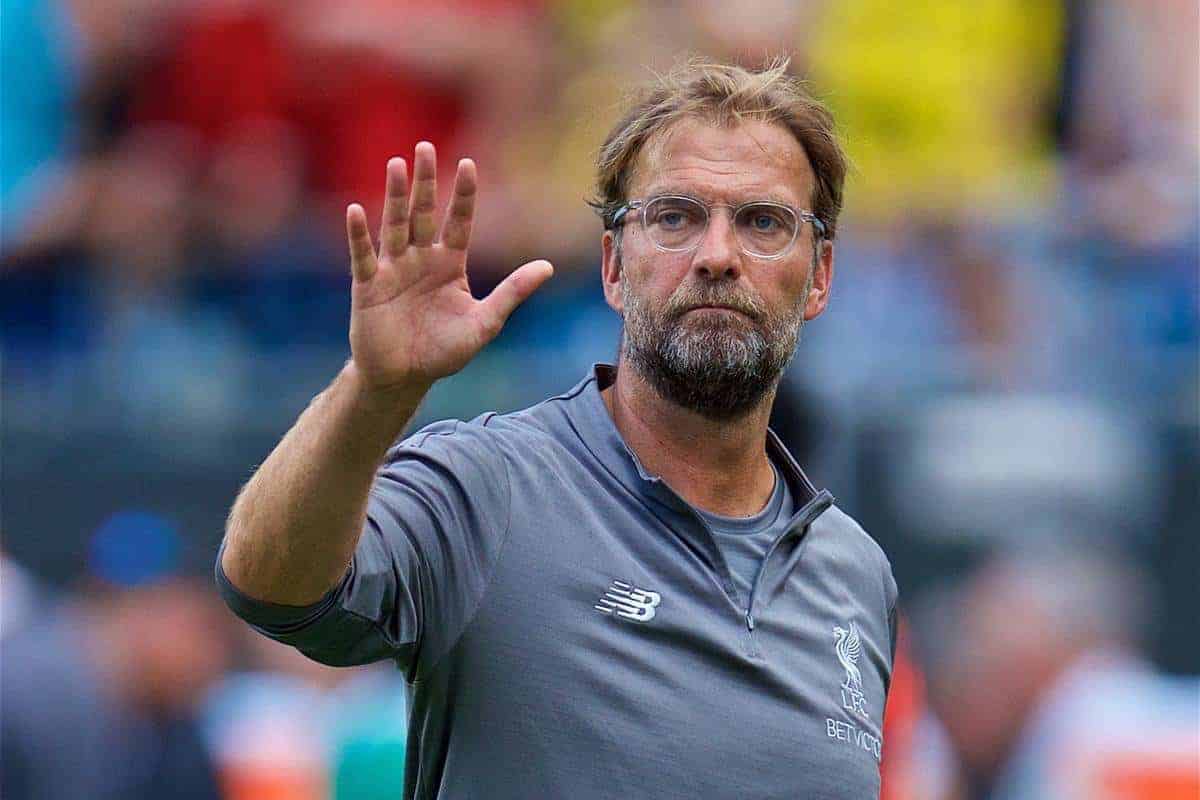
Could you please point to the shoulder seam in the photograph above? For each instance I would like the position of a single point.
(565, 396)
(426, 435)
(883, 563)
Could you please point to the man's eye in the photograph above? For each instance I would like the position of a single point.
(675, 219)
(765, 221)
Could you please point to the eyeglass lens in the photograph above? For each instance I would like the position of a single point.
(679, 223)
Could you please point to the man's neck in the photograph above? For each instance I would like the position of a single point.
(718, 466)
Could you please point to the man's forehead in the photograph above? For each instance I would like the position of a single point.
(748, 159)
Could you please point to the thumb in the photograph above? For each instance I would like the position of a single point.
(512, 291)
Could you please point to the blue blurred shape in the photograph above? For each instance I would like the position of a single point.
(133, 548)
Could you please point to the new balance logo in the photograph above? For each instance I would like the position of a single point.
(628, 602)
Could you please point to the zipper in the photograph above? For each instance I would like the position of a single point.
(799, 526)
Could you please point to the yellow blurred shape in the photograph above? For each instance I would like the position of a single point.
(940, 101)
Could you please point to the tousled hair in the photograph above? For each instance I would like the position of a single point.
(724, 95)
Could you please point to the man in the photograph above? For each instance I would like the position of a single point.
(631, 588)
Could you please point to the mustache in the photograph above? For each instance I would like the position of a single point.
(686, 299)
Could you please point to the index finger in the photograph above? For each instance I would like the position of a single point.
(456, 229)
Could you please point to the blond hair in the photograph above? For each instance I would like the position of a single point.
(724, 95)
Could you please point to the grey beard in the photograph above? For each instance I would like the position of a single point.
(721, 370)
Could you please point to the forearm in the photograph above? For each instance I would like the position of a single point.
(293, 529)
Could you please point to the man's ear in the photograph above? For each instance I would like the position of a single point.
(822, 281)
(610, 270)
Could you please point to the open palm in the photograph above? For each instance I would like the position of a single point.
(413, 318)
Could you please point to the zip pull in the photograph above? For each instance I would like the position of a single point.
(749, 621)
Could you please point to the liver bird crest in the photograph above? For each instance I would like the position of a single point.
(848, 649)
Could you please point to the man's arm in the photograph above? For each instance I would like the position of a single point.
(294, 527)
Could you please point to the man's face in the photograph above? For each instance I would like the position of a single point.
(719, 362)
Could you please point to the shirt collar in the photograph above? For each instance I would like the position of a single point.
(591, 420)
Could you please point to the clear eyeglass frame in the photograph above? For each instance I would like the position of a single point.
(619, 218)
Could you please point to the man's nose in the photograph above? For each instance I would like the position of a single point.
(718, 256)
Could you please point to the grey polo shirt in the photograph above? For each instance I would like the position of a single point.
(570, 629)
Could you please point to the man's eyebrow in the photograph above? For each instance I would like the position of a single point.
(772, 197)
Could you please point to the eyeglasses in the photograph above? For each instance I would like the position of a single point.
(677, 224)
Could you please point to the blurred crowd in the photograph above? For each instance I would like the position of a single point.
(138, 684)
(1004, 389)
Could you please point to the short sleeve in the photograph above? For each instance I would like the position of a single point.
(437, 518)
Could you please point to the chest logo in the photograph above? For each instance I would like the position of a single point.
(629, 602)
(848, 647)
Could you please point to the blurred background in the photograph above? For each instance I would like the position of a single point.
(1004, 390)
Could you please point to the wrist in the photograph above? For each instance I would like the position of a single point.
(397, 398)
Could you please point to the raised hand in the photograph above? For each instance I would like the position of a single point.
(413, 319)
